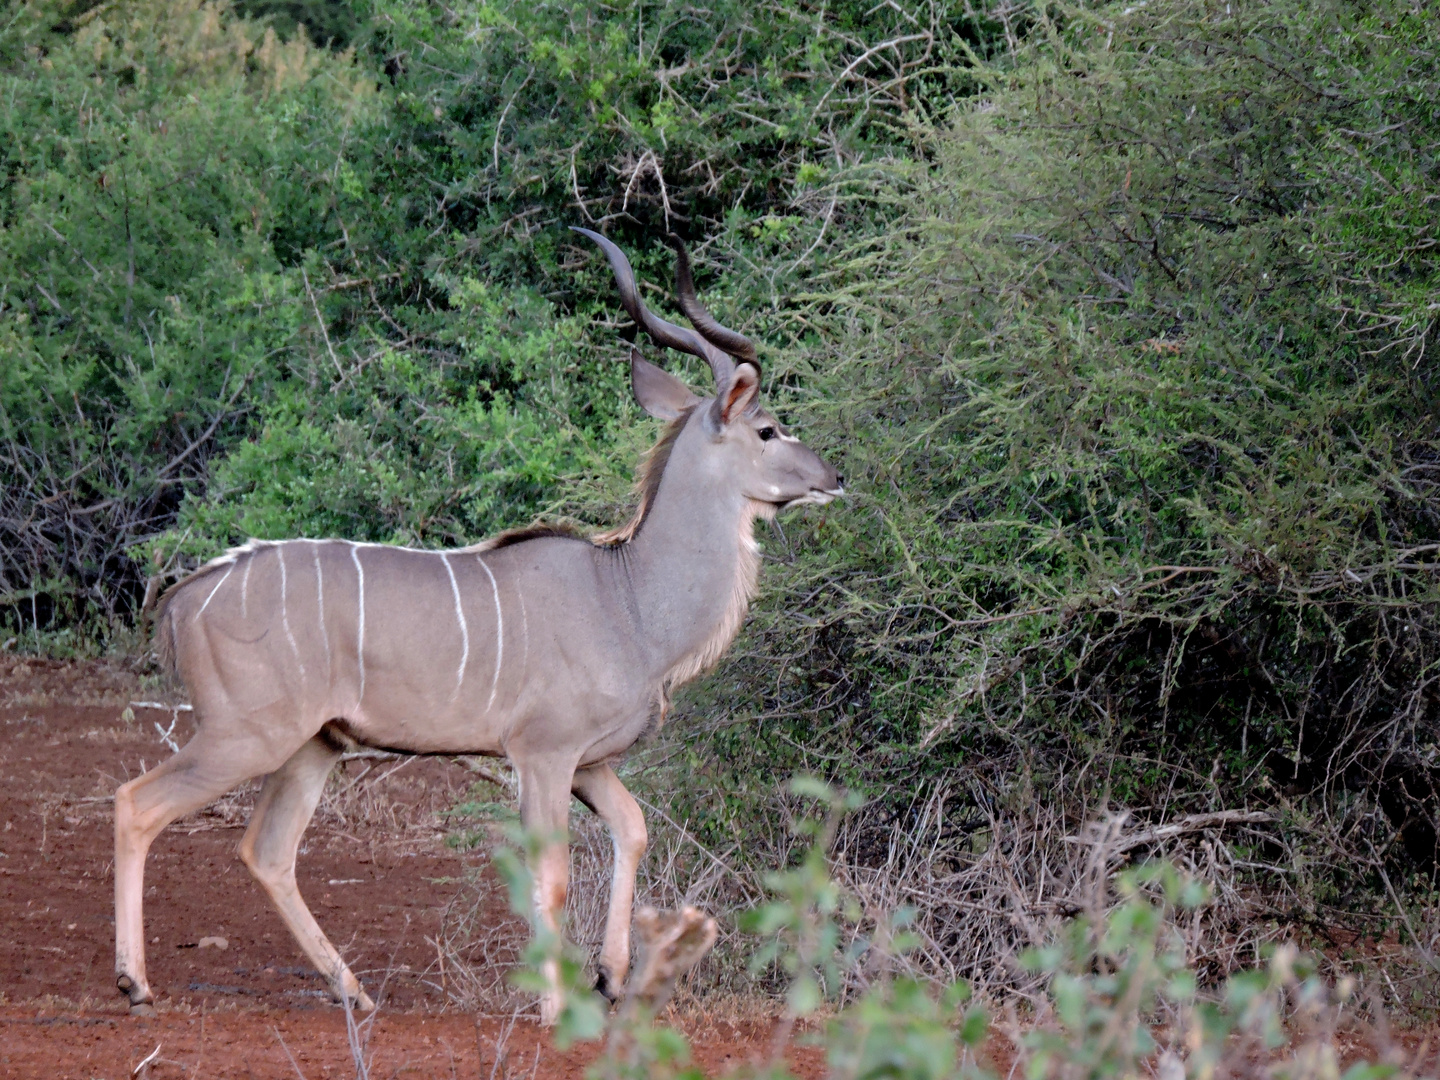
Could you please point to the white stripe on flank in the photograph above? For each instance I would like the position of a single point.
(285, 611)
(245, 591)
(499, 632)
(360, 627)
(524, 635)
(214, 590)
(464, 628)
(320, 602)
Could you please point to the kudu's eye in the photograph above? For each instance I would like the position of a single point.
(766, 434)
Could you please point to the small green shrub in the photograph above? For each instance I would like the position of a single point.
(1119, 996)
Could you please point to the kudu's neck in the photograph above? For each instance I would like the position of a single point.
(692, 567)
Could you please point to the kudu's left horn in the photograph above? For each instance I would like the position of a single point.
(663, 333)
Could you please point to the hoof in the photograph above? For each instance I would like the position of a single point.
(605, 986)
(359, 1001)
(141, 1001)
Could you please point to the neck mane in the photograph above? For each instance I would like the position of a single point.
(652, 467)
(647, 485)
(743, 584)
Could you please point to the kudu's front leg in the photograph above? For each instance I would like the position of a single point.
(600, 789)
(286, 804)
(544, 814)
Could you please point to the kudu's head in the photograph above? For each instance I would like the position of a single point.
(743, 447)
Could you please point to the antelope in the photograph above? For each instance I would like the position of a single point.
(554, 650)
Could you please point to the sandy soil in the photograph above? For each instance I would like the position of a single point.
(374, 869)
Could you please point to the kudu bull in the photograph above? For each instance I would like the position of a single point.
(554, 650)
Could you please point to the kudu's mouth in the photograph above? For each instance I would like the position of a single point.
(814, 497)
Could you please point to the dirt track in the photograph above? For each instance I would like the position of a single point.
(245, 1010)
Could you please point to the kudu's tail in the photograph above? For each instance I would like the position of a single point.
(157, 607)
(159, 616)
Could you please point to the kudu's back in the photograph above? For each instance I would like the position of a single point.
(456, 652)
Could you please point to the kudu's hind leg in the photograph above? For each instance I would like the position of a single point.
(203, 770)
(287, 802)
(600, 789)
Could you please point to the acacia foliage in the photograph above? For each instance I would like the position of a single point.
(1141, 383)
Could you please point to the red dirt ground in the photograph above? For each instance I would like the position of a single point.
(255, 1009)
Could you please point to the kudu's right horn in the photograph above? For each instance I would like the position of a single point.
(735, 344)
(664, 333)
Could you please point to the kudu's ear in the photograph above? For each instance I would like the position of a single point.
(659, 393)
(738, 397)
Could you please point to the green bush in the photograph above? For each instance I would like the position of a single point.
(1137, 397)
(353, 270)
(145, 158)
